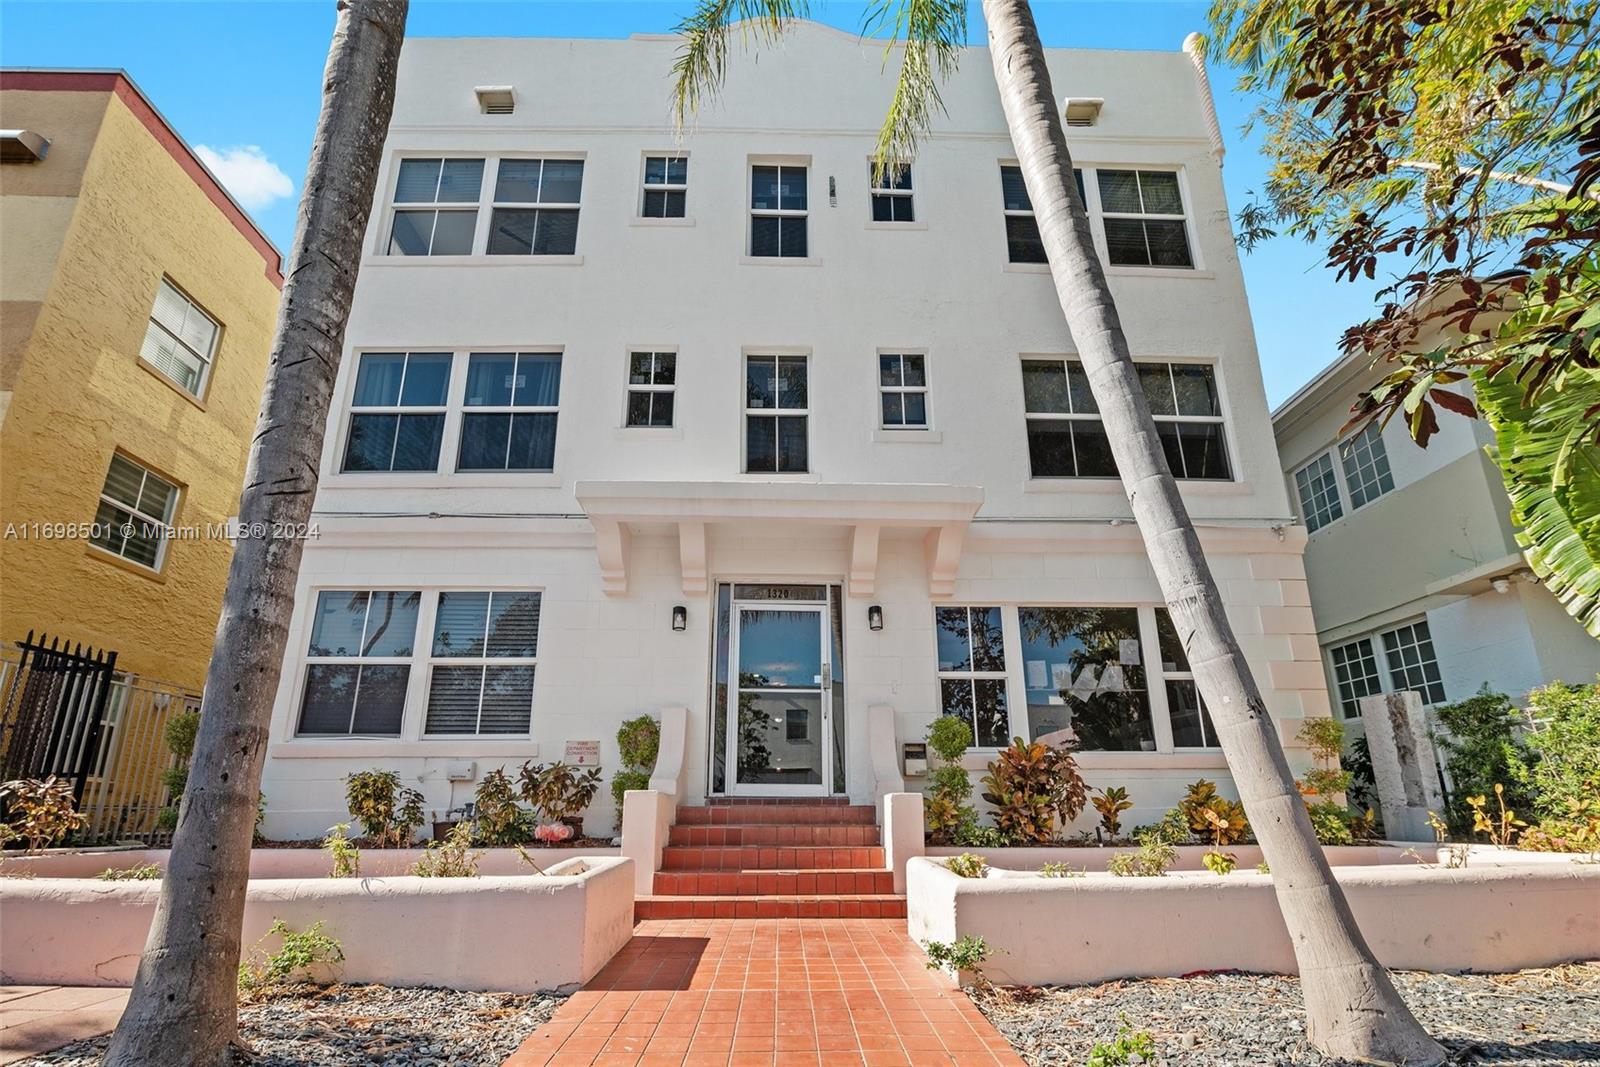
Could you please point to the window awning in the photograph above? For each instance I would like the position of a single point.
(866, 509)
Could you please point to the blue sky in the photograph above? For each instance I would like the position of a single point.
(243, 79)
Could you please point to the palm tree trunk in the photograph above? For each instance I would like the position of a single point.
(1352, 1007)
(184, 1009)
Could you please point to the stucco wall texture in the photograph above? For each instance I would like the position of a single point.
(79, 391)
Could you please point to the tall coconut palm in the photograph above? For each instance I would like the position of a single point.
(1352, 1007)
(184, 1009)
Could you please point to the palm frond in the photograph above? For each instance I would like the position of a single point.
(929, 34)
(702, 61)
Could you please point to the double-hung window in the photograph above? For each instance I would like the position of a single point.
(972, 671)
(1067, 439)
(180, 340)
(903, 391)
(891, 195)
(666, 187)
(1355, 675)
(536, 207)
(1142, 211)
(1023, 243)
(136, 507)
(436, 207)
(1191, 722)
(776, 413)
(652, 384)
(1328, 489)
(358, 664)
(1391, 661)
(397, 412)
(778, 211)
(1085, 673)
(509, 412)
(485, 647)
(1412, 662)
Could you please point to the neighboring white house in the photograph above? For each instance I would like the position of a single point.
(625, 422)
(1416, 578)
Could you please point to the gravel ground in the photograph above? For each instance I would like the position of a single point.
(1540, 1017)
(313, 1025)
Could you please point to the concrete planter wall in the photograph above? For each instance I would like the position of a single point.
(286, 862)
(517, 934)
(1049, 931)
(1248, 856)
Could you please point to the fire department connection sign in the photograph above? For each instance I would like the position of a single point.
(583, 753)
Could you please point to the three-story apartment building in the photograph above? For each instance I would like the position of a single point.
(628, 421)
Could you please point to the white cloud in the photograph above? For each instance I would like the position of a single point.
(253, 179)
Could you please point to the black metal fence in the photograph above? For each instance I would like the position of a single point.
(52, 706)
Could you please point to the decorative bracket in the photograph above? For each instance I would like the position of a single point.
(864, 558)
(611, 545)
(692, 556)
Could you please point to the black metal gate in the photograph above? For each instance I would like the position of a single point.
(51, 710)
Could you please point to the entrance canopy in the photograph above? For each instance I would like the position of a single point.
(943, 511)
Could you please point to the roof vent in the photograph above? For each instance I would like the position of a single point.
(496, 99)
(22, 146)
(1082, 110)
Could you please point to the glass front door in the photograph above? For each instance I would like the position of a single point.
(779, 707)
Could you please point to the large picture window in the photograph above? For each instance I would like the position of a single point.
(397, 412)
(509, 411)
(1085, 674)
(972, 671)
(358, 663)
(485, 646)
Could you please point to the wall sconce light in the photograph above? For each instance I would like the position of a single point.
(680, 618)
(875, 618)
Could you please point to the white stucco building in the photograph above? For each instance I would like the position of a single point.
(595, 375)
(1416, 578)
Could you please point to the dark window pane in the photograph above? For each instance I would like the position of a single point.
(378, 379)
(1191, 723)
(914, 374)
(889, 370)
(380, 700)
(792, 189)
(791, 381)
(764, 235)
(1156, 382)
(1050, 448)
(1169, 244)
(638, 409)
(655, 170)
(517, 181)
(411, 232)
(1197, 389)
(988, 647)
(371, 442)
(1093, 450)
(538, 381)
(903, 210)
(427, 380)
(655, 205)
(761, 382)
(678, 171)
(883, 209)
(792, 237)
(916, 409)
(1088, 660)
(661, 409)
(1077, 179)
(1119, 191)
(1083, 402)
(1205, 450)
(418, 181)
(416, 446)
(1125, 242)
(452, 233)
(666, 368)
(893, 410)
(639, 368)
(562, 182)
(764, 188)
(955, 698)
(1023, 244)
(489, 379)
(336, 628)
(892, 178)
(1168, 432)
(1172, 654)
(533, 442)
(991, 726)
(761, 444)
(459, 624)
(483, 442)
(511, 231)
(1014, 190)
(391, 623)
(954, 637)
(329, 698)
(557, 233)
(792, 443)
(514, 624)
(507, 700)
(1044, 387)
(1159, 189)
(461, 182)
(453, 696)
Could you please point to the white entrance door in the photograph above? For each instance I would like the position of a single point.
(779, 713)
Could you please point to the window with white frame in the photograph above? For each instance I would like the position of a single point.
(1191, 722)
(652, 387)
(181, 339)
(1391, 661)
(397, 411)
(778, 211)
(1412, 663)
(1067, 439)
(1023, 243)
(1355, 675)
(903, 391)
(536, 207)
(358, 662)
(509, 411)
(436, 207)
(776, 414)
(1085, 675)
(1328, 489)
(891, 195)
(1142, 212)
(666, 187)
(484, 652)
(972, 671)
(1366, 465)
(136, 508)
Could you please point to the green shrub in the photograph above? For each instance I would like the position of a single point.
(1333, 822)
(639, 742)
(1155, 856)
(497, 819)
(180, 733)
(1061, 870)
(946, 809)
(967, 865)
(1202, 808)
(388, 812)
(1479, 744)
(558, 792)
(1129, 1047)
(972, 834)
(1111, 803)
(1218, 862)
(345, 856)
(1032, 785)
(41, 811)
(1173, 828)
(1560, 764)
(451, 858)
(949, 737)
(966, 954)
(622, 782)
(144, 872)
(301, 950)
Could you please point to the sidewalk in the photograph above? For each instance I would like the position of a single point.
(39, 1018)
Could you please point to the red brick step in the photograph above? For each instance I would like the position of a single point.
(683, 857)
(773, 883)
(770, 907)
(847, 836)
(778, 814)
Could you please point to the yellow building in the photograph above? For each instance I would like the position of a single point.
(137, 316)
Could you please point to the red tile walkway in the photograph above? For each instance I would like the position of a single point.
(767, 992)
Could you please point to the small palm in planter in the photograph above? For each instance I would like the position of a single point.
(559, 794)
